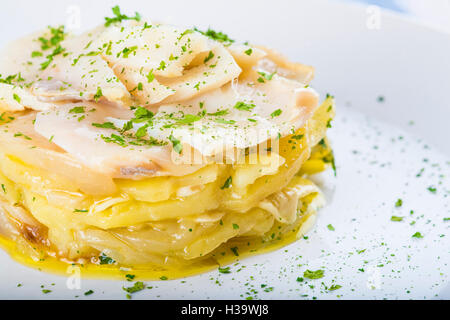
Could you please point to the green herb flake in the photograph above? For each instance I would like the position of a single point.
(104, 259)
(80, 210)
(314, 274)
(209, 57)
(77, 110)
(176, 144)
(16, 97)
(119, 17)
(417, 235)
(105, 125)
(224, 270)
(218, 36)
(223, 121)
(150, 76)
(138, 286)
(141, 132)
(88, 293)
(36, 54)
(130, 277)
(276, 113)
(432, 189)
(98, 94)
(334, 287)
(244, 106)
(227, 183)
(265, 76)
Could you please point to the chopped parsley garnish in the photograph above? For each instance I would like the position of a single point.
(127, 126)
(265, 76)
(164, 278)
(80, 210)
(141, 114)
(224, 270)
(57, 35)
(223, 121)
(432, 189)
(119, 17)
(417, 235)
(45, 291)
(106, 125)
(141, 132)
(162, 65)
(16, 97)
(90, 54)
(114, 138)
(20, 134)
(104, 259)
(176, 144)
(397, 219)
(219, 113)
(244, 106)
(98, 94)
(58, 50)
(188, 119)
(77, 110)
(209, 57)
(334, 287)
(218, 36)
(330, 227)
(123, 138)
(227, 183)
(130, 277)
(138, 286)
(88, 293)
(249, 52)
(235, 251)
(235, 226)
(276, 113)
(36, 54)
(398, 203)
(150, 76)
(186, 32)
(9, 79)
(127, 51)
(329, 123)
(313, 274)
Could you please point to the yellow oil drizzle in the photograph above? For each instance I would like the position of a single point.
(220, 257)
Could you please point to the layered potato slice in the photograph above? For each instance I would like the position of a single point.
(155, 148)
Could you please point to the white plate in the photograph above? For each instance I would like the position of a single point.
(380, 148)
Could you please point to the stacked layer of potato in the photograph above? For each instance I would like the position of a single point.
(165, 219)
